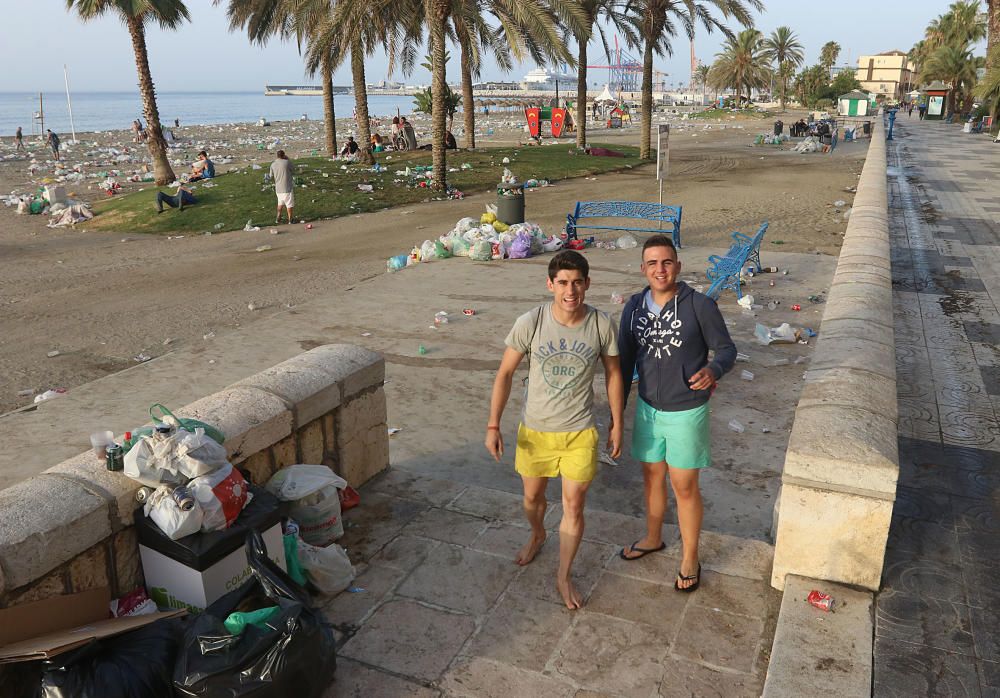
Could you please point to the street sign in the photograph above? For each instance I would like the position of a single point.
(662, 151)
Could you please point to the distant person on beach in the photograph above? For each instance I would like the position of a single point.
(921, 111)
(19, 141)
(398, 142)
(350, 148)
(135, 131)
(177, 123)
(203, 168)
(564, 341)
(183, 198)
(53, 140)
(449, 141)
(378, 144)
(282, 172)
(406, 129)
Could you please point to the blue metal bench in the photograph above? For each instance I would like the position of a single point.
(636, 210)
(724, 272)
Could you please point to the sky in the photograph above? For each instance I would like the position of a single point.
(203, 55)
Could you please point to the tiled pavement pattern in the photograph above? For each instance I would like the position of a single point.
(938, 614)
(446, 612)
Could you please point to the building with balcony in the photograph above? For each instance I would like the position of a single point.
(888, 75)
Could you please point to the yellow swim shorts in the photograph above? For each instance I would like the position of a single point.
(572, 454)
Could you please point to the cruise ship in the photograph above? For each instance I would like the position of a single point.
(301, 90)
(542, 79)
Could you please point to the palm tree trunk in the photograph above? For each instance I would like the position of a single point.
(437, 17)
(581, 95)
(468, 96)
(162, 172)
(361, 105)
(645, 133)
(329, 115)
(993, 32)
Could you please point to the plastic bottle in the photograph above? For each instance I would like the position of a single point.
(736, 426)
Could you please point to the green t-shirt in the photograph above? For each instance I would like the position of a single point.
(562, 365)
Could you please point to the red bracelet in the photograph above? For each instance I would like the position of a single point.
(489, 428)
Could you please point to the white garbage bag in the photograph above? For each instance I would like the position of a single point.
(328, 569)
(175, 458)
(221, 495)
(313, 491)
(170, 518)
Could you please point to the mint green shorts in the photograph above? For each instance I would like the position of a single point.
(679, 438)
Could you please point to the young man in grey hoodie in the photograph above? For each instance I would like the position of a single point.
(667, 330)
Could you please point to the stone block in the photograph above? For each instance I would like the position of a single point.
(354, 679)
(860, 353)
(843, 449)
(821, 654)
(520, 631)
(830, 535)
(472, 584)
(285, 453)
(90, 569)
(260, 466)
(716, 637)
(850, 389)
(46, 521)
(863, 274)
(474, 677)
(354, 368)
(52, 584)
(855, 327)
(116, 489)
(311, 445)
(330, 434)
(125, 558)
(362, 438)
(307, 383)
(252, 419)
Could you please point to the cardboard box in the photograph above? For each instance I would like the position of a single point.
(55, 194)
(172, 584)
(194, 571)
(44, 629)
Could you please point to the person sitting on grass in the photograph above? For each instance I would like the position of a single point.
(183, 198)
(377, 143)
(203, 168)
(350, 148)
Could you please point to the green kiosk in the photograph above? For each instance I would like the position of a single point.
(853, 104)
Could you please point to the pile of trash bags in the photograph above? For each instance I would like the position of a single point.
(811, 144)
(190, 485)
(481, 240)
(770, 139)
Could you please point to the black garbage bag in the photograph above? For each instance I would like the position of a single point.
(294, 654)
(137, 664)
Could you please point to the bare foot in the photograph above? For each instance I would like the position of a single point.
(530, 549)
(571, 597)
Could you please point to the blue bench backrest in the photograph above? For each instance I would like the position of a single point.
(627, 209)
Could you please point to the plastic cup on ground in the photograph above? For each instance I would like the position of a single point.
(100, 440)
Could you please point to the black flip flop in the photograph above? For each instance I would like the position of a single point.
(696, 577)
(643, 551)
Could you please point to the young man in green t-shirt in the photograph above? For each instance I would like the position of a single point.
(564, 340)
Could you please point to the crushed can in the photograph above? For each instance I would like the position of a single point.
(114, 458)
(823, 602)
(142, 494)
(184, 498)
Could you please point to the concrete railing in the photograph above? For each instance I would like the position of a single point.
(70, 528)
(839, 479)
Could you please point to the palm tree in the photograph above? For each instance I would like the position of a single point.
(655, 20)
(135, 15)
(528, 26)
(594, 10)
(264, 19)
(475, 36)
(963, 23)
(701, 78)
(828, 55)
(992, 31)
(785, 50)
(742, 63)
(955, 65)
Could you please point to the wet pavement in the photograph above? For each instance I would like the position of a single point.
(937, 626)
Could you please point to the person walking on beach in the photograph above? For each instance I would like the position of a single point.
(282, 173)
(563, 340)
(53, 140)
(667, 330)
(19, 141)
(921, 111)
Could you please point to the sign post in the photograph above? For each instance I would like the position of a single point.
(662, 158)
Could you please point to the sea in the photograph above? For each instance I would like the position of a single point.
(106, 111)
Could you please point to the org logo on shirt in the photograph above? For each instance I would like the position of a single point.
(565, 364)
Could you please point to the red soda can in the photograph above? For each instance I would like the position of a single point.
(796, 307)
(823, 602)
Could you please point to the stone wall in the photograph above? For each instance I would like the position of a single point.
(839, 479)
(70, 528)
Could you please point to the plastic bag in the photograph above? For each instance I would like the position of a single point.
(482, 251)
(312, 489)
(237, 622)
(142, 463)
(427, 251)
(221, 496)
(459, 246)
(137, 664)
(293, 655)
(627, 242)
(520, 248)
(466, 224)
(328, 569)
(175, 523)
(440, 250)
(553, 244)
(488, 217)
(159, 413)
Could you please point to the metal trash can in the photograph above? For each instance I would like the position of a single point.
(779, 126)
(510, 202)
(867, 128)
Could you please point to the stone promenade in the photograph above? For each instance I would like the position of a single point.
(938, 614)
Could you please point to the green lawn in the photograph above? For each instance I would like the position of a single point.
(752, 114)
(325, 190)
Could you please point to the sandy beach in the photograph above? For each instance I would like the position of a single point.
(102, 299)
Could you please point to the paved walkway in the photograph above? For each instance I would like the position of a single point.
(938, 614)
